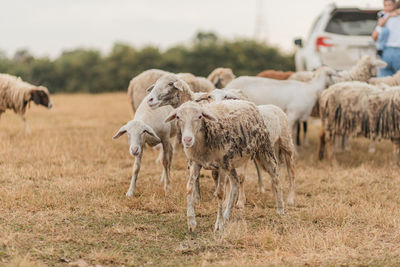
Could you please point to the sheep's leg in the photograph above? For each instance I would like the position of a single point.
(136, 169)
(197, 189)
(240, 178)
(219, 223)
(260, 179)
(190, 198)
(234, 182)
(298, 134)
(321, 143)
(167, 158)
(371, 147)
(214, 175)
(176, 144)
(271, 168)
(305, 140)
(345, 143)
(291, 176)
(27, 128)
(329, 151)
(159, 159)
(396, 147)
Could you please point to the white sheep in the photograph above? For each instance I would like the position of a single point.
(148, 127)
(138, 85)
(222, 137)
(296, 98)
(389, 80)
(220, 77)
(279, 132)
(16, 94)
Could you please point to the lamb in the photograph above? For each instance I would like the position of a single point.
(220, 77)
(16, 94)
(148, 127)
(221, 137)
(296, 98)
(138, 85)
(274, 74)
(279, 133)
(355, 108)
(390, 80)
(302, 76)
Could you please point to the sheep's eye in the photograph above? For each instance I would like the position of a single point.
(170, 83)
(200, 117)
(177, 117)
(209, 96)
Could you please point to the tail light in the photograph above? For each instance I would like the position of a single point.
(322, 41)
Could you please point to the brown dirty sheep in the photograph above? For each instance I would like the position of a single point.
(220, 77)
(16, 94)
(275, 74)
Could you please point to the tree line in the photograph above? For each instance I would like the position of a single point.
(88, 70)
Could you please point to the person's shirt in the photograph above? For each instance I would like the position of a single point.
(393, 25)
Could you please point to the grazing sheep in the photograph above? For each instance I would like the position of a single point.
(148, 127)
(274, 74)
(220, 77)
(358, 109)
(389, 80)
(296, 98)
(138, 85)
(222, 137)
(16, 94)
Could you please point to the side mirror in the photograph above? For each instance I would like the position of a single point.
(298, 42)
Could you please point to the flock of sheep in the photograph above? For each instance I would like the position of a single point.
(224, 123)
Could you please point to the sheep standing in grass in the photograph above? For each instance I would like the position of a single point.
(148, 127)
(296, 98)
(221, 137)
(220, 77)
(16, 94)
(138, 85)
(279, 132)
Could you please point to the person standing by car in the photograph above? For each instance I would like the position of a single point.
(387, 33)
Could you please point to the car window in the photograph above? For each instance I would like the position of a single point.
(352, 23)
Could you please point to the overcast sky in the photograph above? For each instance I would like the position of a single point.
(47, 27)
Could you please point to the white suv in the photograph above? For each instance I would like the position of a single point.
(338, 38)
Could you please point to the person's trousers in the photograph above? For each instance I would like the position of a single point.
(391, 55)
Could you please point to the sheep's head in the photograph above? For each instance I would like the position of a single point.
(189, 118)
(220, 95)
(328, 73)
(40, 96)
(138, 133)
(220, 77)
(202, 97)
(167, 90)
(374, 65)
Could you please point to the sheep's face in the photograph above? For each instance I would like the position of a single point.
(375, 65)
(328, 73)
(189, 119)
(166, 91)
(203, 98)
(220, 95)
(138, 133)
(41, 96)
(220, 77)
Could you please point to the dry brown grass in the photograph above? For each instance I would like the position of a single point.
(62, 198)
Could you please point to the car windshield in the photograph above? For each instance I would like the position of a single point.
(352, 23)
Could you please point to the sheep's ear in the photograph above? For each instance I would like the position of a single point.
(379, 63)
(215, 80)
(171, 117)
(208, 116)
(151, 132)
(231, 97)
(148, 90)
(120, 132)
(178, 85)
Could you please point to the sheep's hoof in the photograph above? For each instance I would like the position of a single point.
(219, 225)
(290, 201)
(261, 189)
(129, 194)
(191, 225)
(240, 204)
(280, 211)
(371, 150)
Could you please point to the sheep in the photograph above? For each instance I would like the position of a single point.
(220, 77)
(279, 133)
(390, 80)
(222, 137)
(148, 127)
(16, 94)
(365, 68)
(273, 74)
(355, 108)
(296, 98)
(138, 85)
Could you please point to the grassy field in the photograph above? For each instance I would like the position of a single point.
(62, 198)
